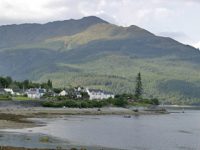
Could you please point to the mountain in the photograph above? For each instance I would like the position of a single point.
(94, 53)
(11, 35)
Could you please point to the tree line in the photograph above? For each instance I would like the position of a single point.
(8, 82)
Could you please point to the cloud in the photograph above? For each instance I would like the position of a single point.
(23, 10)
(123, 12)
(174, 34)
(115, 10)
(197, 45)
(180, 36)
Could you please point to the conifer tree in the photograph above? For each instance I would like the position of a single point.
(49, 84)
(138, 87)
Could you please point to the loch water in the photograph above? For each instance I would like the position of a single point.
(175, 131)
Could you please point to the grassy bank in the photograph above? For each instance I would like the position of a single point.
(5, 97)
(21, 98)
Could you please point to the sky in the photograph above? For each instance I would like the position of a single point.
(179, 19)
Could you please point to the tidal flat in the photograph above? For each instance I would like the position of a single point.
(58, 130)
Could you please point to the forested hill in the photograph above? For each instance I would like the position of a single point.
(94, 53)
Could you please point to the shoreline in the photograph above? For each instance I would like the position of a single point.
(18, 117)
(21, 118)
(20, 148)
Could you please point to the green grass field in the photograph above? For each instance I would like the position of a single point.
(21, 98)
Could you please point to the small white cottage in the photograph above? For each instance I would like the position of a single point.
(63, 93)
(10, 91)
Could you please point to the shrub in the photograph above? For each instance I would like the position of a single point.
(155, 101)
(120, 102)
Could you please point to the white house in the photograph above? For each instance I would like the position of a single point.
(35, 93)
(79, 89)
(99, 94)
(63, 93)
(10, 91)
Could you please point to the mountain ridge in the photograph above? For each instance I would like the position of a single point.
(36, 32)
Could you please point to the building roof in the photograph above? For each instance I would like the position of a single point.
(35, 90)
(18, 90)
(100, 91)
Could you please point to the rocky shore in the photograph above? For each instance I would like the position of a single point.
(19, 148)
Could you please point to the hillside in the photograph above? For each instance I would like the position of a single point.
(12, 35)
(94, 53)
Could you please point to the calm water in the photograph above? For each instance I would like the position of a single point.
(178, 131)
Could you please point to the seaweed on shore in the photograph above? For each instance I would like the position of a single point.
(14, 118)
(19, 148)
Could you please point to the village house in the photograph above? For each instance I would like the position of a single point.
(13, 92)
(99, 94)
(63, 93)
(35, 93)
(78, 94)
(9, 91)
(79, 89)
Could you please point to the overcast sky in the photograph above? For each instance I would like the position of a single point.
(179, 19)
